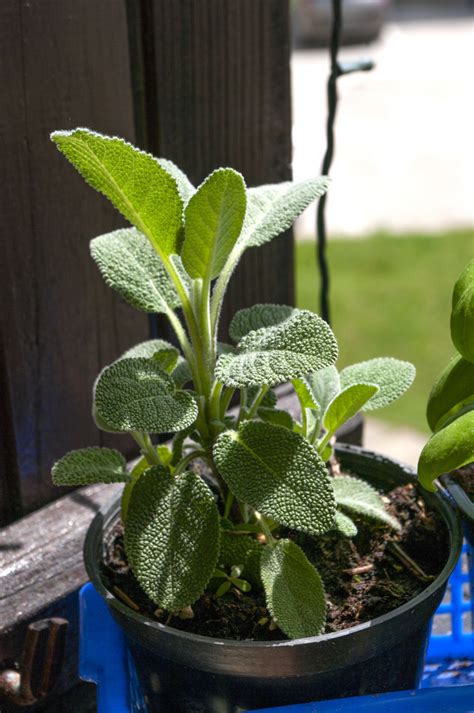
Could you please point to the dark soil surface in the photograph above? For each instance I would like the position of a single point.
(364, 577)
(465, 477)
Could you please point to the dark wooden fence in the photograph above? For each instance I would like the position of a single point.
(202, 82)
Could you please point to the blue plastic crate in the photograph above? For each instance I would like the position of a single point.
(104, 660)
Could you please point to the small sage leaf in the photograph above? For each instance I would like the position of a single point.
(152, 348)
(258, 316)
(244, 550)
(90, 465)
(138, 470)
(272, 355)
(142, 190)
(345, 525)
(130, 266)
(172, 536)
(450, 448)
(278, 473)
(462, 313)
(346, 404)
(136, 395)
(213, 220)
(324, 386)
(452, 391)
(276, 416)
(304, 394)
(359, 497)
(185, 187)
(294, 590)
(273, 208)
(392, 376)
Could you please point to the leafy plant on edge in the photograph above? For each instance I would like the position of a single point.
(450, 409)
(186, 534)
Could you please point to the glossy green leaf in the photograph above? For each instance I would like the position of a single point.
(359, 497)
(259, 315)
(278, 473)
(392, 376)
(137, 395)
(450, 448)
(452, 391)
(172, 536)
(213, 220)
(294, 590)
(462, 313)
(273, 208)
(142, 190)
(346, 404)
(273, 355)
(130, 266)
(90, 465)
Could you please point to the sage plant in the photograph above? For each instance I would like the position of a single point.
(186, 534)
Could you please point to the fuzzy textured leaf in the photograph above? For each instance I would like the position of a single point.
(213, 220)
(90, 465)
(142, 190)
(273, 355)
(324, 386)
(241, 550)
(303, 392)
(452, 391)
(259, 315)
(130, 266)
(172, 536)
(347, 403)
(151, 348)
(359, 497)
(278, 473)
(276, 416)
(345, 525)
(294, 590)
(462, 313)
(137, 395)
(185, 187)
(273, 208)
(392, 376)
(450, 448)
(139, 468)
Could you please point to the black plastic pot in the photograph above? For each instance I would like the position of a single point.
(186, 673)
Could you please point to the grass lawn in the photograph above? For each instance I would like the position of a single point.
(391, 296)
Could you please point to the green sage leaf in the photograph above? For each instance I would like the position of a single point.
(172, 536)
(213, 220)
(165, 354)
(346, 404)
(276, 416)
(139, 468)
(243, 550)
(345, 525)
(452, 391)
(392, 376)
(450, 448)
(324, 386)
(462, 313)
(359, 497)
(185, 187)
(136, 395)
(142, 190)
(130, 266)
(273, 355)
(278, 473)
(90, 465)
(273, 208)
(259, 315)
(294, 590)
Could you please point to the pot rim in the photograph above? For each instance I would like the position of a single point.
(109, 511)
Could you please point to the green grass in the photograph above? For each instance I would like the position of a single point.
(391, 296)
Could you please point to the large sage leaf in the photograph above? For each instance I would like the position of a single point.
(213, 220)
(137, 395)
(392, 376)
(272, 355)
(462, 313)
(452, 391)
(163, 352)
(278, 473)
(259, 315)
(346, 404)
(142, 190)
(129, 264)
(172, 536)
(359, 497)
(90, 465)
(273, 208)
(450, 448)
(294, 590)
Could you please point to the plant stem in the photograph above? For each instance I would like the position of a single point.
(228, 503)
(146, 446)
(257, 401)
(225, 400)
(184, 462)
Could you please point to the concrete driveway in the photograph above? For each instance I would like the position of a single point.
(404, 132)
